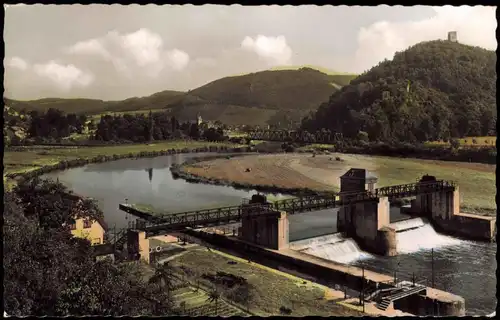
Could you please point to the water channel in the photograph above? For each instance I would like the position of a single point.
(466, 268)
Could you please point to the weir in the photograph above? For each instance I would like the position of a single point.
(363, 223)
(333, 247)
(363, 214)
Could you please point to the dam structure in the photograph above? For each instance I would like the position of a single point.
(363, 214)
(466, 268)
(363, 228)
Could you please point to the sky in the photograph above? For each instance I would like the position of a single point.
(113, 52)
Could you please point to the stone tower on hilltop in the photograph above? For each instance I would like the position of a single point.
(452, 36)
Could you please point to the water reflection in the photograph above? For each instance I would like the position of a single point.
(150, 174)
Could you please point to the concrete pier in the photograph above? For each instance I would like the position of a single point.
(268, 230)
(137, 245)
(443, 210)
(367, 222)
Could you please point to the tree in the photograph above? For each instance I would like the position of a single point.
(163, 276)
(455, 143)
(214, 296)
(151, 126)
(48, 272)
(363, 136)
(194, 131)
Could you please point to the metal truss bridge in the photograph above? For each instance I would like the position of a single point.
(154, 224)
(296, 136)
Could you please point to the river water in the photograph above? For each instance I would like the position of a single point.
(466, 268)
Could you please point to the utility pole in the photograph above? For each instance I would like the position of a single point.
(432, 266)
(363, 286)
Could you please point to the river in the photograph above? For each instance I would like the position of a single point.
(466, 268)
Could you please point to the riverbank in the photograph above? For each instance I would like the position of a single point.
(179, 172)
(321, 173)
(28, 163)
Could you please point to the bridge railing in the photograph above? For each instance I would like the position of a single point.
(412, 189)
(193, 219)
(293, 205)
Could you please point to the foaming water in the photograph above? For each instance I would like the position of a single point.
(407, 224)
(423, 238)
(332, 247)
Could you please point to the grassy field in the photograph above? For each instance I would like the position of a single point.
(469, 142)
(322, 172)
(97, 117)
(316, 146)
(196, 303)
(230, 113)
(36, 157)
(270, 289)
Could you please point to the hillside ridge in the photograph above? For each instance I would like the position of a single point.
(261, 98)
(433, 91)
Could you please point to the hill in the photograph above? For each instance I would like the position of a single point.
(94, 106)
(260, 98)
(266, 97)
(431, 91)
(338, 78)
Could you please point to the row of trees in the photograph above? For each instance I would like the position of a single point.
(54, 124)
(155, 126)
(47, 272)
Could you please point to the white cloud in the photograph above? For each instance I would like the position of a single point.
(274, 50)
(177, 59)
(17, 63)
(142, 50)
(65, 76)
(475, 26)
(144, 45)
(89, 47)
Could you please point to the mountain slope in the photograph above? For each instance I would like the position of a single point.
(93, 106)
(261, 98)
(433, 90)
(272, 97)
(284, 89)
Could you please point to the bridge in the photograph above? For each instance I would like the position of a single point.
(296, 136)
(153, 224)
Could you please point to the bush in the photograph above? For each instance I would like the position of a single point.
(362, 136)
(455, 144)
(285, 310)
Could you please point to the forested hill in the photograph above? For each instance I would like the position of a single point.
(94, 106)
(265, 97)
(260, 98)
(433, 90)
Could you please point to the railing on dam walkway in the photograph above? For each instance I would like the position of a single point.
(229, 214)
(226, 215)
(414, 189)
